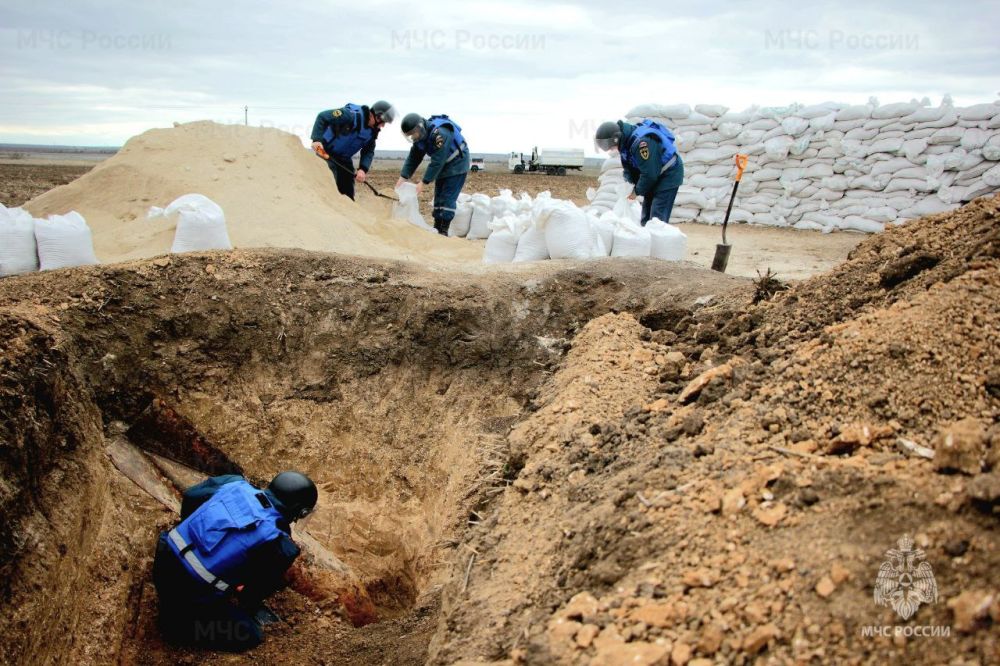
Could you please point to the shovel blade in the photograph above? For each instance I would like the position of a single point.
(721, 259)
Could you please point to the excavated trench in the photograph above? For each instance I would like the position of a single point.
(393, 388)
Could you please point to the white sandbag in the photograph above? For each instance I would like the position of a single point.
(201, 224)
(991, 150)
(858, 223)
(794, 126)
(926, 114)
(503, 204)
(501, 246)
(531, 246)
(461, 223)
(907, 184)
(898, 110)
(18, 249)
(710, 155)
(711, 110)
(824, 220)
(819, 170)
(730, 130)
(482, 215)
(64, 241)
(808, 225)
(926, 206)
(889, 145)
(946, 135)
(800, 147)
(823, 123)
(765, 174)
(665, 241)
(701, 180)
(569, 234)
(750, 136)
(674, 111)
(631, 240)
(860, 134)
(764, 124)
(912, 148)
(605, 228)
(978, 112)
(992, 177)
(611, 163)
(890, 166)
(858, 112)
(682, 214)
(883, 214)
(699, 120)
(778, 147)
(974, 138)
(686, 140)
(947, 120)
(738, 117)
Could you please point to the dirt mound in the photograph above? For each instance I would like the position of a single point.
(599, 463)
(274, 192)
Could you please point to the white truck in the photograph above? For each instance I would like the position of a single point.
(551, 161)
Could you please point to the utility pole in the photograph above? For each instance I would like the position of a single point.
(245, 109)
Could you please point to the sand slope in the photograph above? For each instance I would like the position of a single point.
(274, 192)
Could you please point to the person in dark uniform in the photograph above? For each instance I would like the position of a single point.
(650, 160)
(339, 134)
(440, 137)
(230, 551)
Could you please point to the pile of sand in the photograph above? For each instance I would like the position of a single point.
(274, 192)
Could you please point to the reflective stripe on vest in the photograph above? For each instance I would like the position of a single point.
(351, 140)
(185, 549)
(433, 123)
(645, 129)
(214, 541)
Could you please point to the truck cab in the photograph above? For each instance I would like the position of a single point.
(515, 163)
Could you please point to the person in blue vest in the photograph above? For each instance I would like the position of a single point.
(650, 160)
(230, 551)
(441, 138)
(339, 134)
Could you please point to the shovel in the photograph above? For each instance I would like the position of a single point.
(326, 156)
(722, 251)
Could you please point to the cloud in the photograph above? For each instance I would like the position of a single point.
(514, 75)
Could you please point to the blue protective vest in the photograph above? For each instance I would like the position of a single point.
(644, 129)
(349, 142)
(435, 122)
(213, 542)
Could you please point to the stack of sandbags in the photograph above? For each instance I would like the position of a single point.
(18, 249)
(605, 196)
(832, 166)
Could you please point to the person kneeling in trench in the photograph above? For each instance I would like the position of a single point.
(229, 552)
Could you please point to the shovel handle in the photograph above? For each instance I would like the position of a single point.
(741, 164)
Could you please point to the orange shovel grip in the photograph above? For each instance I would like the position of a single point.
(741, 164)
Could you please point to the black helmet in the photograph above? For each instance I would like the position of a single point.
(383, 111)
(296, 491)
(607, 135)
(413, 127)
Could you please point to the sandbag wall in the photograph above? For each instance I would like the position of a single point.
(832, 166)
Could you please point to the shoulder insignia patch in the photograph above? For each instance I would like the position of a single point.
(337, 113)
(644, 150)
(438, 140)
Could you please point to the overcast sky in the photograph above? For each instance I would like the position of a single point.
(513, 74)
